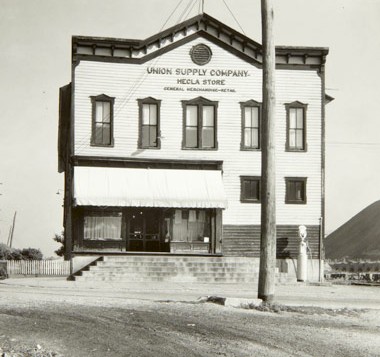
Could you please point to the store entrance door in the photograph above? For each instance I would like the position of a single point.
(144, 230)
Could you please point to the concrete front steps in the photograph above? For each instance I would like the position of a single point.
(151, 268)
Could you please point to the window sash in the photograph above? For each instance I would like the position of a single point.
(149, 136)
(149, 114)
(296, 128)
(208, 137)
(208, 116)
(103, 112)
(251, 116)
(200, 126)
(296, 191)
(251, 138)
(192, 115)
(191, 137)
(296, 139)
(250, 189)
(102, 117)
(103, 133)
(102, 123)
(149, 125)
(251, 128)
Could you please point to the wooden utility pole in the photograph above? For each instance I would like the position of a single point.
(268, 164)
(11, 231)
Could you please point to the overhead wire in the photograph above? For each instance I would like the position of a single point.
(142, 78)
(232, 14)
(353, 144)
(167, 20)
(83, 142)
(185, 12)
(190, 9)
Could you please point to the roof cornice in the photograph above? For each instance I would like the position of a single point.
(138, 51)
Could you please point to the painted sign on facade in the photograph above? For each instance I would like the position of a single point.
(199, 79)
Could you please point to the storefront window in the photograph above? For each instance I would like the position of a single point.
(189, 225)
(102, 226)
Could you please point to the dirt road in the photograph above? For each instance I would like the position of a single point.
(42, 322)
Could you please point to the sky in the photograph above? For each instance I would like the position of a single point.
(35, 60)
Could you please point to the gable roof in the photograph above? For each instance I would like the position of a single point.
(140, 51)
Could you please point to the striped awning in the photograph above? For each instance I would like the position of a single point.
(133, 187)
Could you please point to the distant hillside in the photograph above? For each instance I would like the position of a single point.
(357, 238)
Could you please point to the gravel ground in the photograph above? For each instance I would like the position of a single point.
(42, 322)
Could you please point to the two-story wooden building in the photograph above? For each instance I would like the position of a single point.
(160, 139)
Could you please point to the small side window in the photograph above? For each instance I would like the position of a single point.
(250, 187)
(295, 190)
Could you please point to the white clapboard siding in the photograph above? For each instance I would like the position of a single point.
(38, 267)
(128, 82)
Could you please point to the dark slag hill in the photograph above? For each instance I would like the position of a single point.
(358, 238)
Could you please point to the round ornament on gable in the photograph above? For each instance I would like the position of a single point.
(201, 54)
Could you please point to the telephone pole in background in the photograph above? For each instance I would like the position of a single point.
(268, 164)
(11, 231)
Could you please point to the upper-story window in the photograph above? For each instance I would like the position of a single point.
(149, 114)
(251, 125)
(296, 126)
(295, 190)
(102, 120)
(200, 119)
